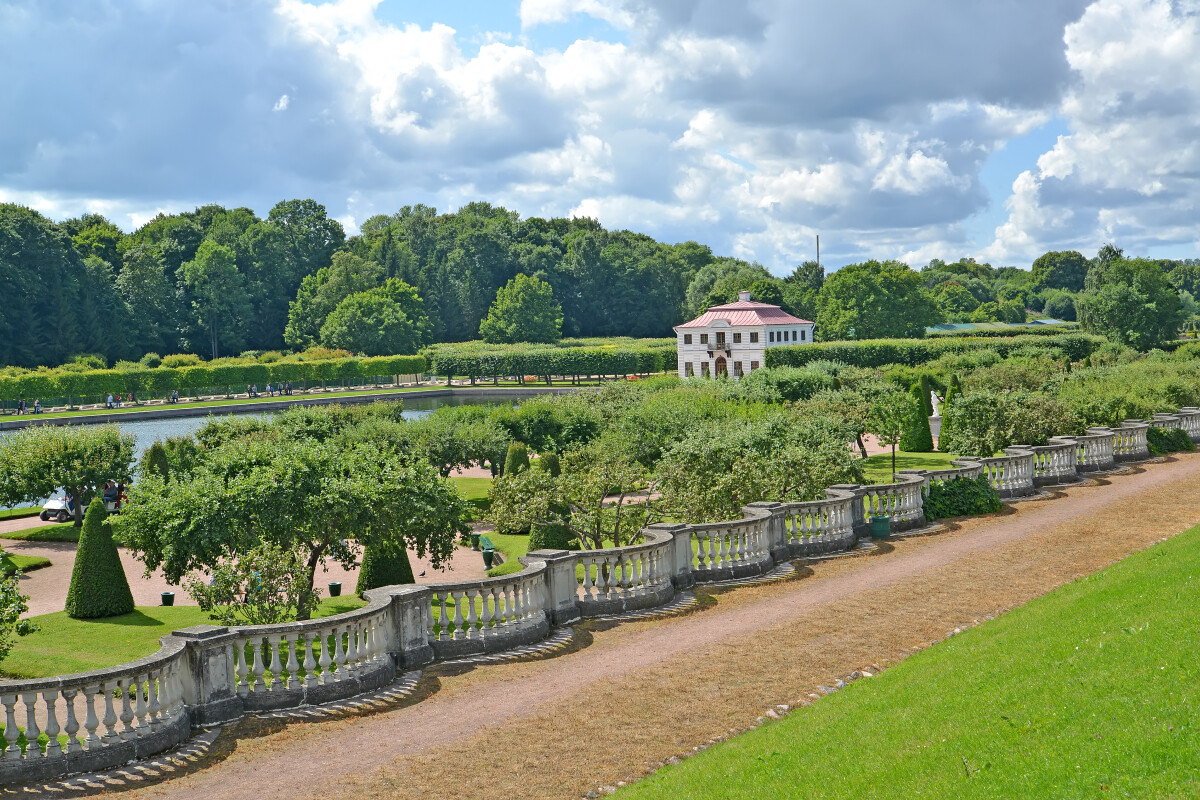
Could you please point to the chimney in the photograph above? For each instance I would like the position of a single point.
(744, 297)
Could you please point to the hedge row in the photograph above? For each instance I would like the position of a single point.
(630, 357)
(1017, 330)
(878, 352)
(161, 381)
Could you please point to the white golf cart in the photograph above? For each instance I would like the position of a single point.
(60, 509)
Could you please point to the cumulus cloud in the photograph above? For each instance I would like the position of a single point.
(748, 126)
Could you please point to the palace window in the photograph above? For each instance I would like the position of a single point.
(737, 369)
(704, 368)
(802, 335)
(753, 366)
(720, 339)
(754, 338)
(687, 338)
(737, 338)
(771, 336)
(704, 338)
(687, 369)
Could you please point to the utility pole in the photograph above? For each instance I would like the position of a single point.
(818, 249)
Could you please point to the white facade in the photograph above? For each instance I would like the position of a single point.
(732, 339)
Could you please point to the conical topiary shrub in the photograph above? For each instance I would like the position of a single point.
(157, 462)
(926, 386)
(517, 460)
(550, 464)
(99, 587)
(384, 567)
(917, 437)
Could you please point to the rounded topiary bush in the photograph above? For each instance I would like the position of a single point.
(552, 537)
(156, 462)
(384, 567)
(99, 587)
(550, 464)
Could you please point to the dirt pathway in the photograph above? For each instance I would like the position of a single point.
(635, 694)
(21, 524)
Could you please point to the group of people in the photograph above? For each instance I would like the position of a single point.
(23, 407)
(114, 401)
(285, 389)
(113, 493)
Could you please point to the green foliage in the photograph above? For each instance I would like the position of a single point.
(517, 460)
(1169, 440)
(12, 605)
(1062, 269)
(383, 567)
(961, 497)
(99, 587)
(913, 352)
(872, 300)
(388, 320)
(785, 384)
(548, 462)
(1131, 302)
(982, 423)
(524, 311)
(37, 462)
(567, 357)
(917, 437)
(552, 537)
(156, 462)
(264, 584)
(926, 388)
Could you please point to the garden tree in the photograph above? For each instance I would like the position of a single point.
(1059, 305)
(524, 311)
(548, 462)
(383, 567)
(149, 299)
(925, 393)
(37, 462)
(874, 300)
(265, 584)
(12, 605)
(763, 291)
(595, 498)
(1130, 302)
(97, 237)
(311, 237)
(99, 587)
(717, 468)
(852, 406)
(1184, 275)
(517, 460)
(802, 288)
(322, 499)
(954, 299)
(1059, 269)
(156, 461)
(890, 414)
(917, 436)
(214, 289)
(1013, 311)
(450, 441)
(982, 423)
(809, 274)
(320, 294)
(389, 320)
(719, 281)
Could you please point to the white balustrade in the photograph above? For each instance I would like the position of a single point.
(1055, 462)
(1129, 440)
(625, 572)
(903, 501)
(1094, 449)
(727, 546)
(484, 610)
(1189, 420)
(1012, 473)
(819, 524)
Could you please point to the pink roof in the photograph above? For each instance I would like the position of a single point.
(745, 312)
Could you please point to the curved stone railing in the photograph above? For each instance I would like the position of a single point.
(96, 719)
(1094, 450)
(1055, 462)
(1129, 442)
(209, 674)
(475, 617)
(628, 578)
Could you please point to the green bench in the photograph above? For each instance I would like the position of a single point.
(489, 551)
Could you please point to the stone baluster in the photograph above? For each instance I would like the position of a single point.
(352, 632)
(326, 660)
(242, 673)
(156, 683)
(11, 732)
(141, 685)
(292, 665)
(32, 732)
(91, 722)
(71, 728)
(127, 731)
(110, 715)
(339, 656)
(257, 645)
(310, 663)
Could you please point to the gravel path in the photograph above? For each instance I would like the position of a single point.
(641, 692)
(23, 523)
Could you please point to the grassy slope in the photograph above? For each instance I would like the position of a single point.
(65, 645)
(10, 563)
(878, 468)
(1090, 691)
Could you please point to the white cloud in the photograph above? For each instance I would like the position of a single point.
(282, 103)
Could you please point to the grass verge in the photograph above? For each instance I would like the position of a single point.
(64, 645)
(11, 563)
(878, 468)
(50, 532)
(1090, 691)
(18, 513)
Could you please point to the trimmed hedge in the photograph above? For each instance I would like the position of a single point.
(384, 568)
(552, 537)
(99, 587)
(160, 381)
(961, 497)
(1169, 440)
(878, 352)
(570, 357)
(1022, 330)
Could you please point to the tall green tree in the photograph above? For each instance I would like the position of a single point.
(215, 291)
(144, 286)
(524, 311)
(389, 320)
(875, 300)
(1060, 269)
(1130, 302)
(321, 293)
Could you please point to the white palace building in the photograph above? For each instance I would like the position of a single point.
(731, 339)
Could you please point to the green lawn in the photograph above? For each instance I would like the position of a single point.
(10, 563)
(65, 645)
(50, 532)
(475, 491)
(15, 513)
(1091, 691)
(878, 468)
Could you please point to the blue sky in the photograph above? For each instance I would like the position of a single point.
(913, 131)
